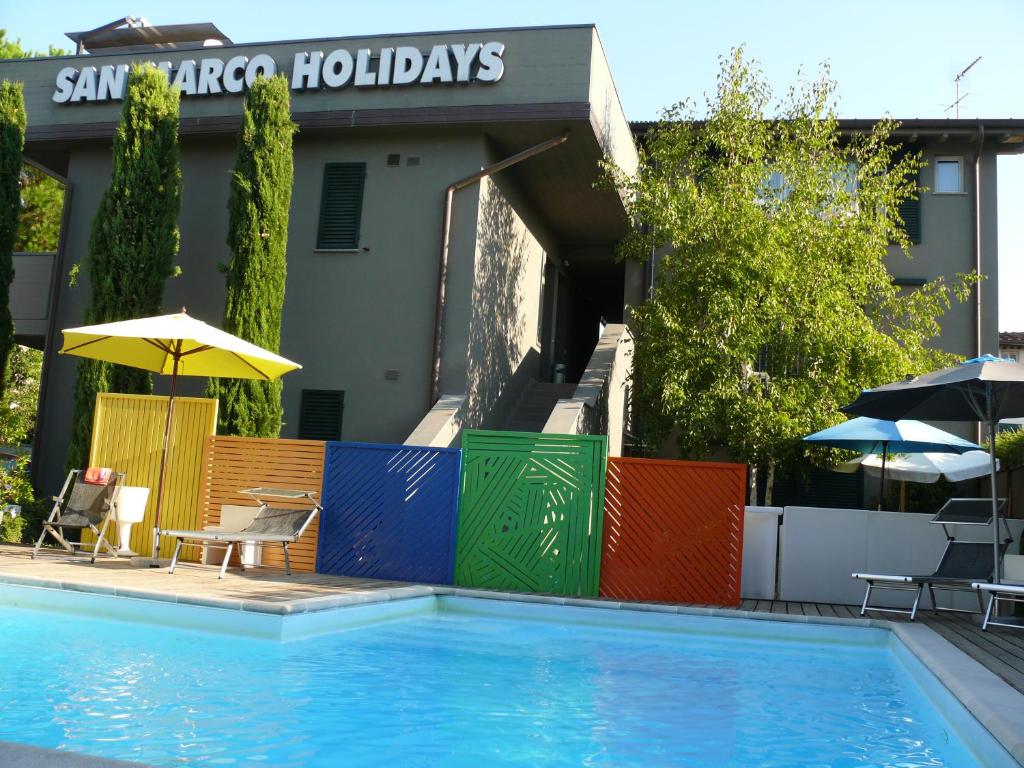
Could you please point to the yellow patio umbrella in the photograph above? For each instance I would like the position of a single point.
(177, 345)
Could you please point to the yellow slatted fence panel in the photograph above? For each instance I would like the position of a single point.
(233, 463)
(127, 435)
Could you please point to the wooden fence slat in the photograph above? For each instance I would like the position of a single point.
(232, 463)
(127, 436)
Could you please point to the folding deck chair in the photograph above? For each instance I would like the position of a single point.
(271, 525)
(83, 506)
(962, 565)
(1010, 591)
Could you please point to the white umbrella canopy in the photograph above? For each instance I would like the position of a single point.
(931, 467)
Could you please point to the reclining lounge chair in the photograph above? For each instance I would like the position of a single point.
(271, 525)
(962, 565)
(83, 505)
(1011, 591)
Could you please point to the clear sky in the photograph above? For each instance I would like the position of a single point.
(896, 57)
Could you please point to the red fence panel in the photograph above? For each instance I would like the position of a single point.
(673, 531)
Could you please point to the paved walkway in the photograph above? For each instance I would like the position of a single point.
(260, 585)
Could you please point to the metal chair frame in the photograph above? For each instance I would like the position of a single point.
(52, 525)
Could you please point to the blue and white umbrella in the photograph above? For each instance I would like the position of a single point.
(867, 435)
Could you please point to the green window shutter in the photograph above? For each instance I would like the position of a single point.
(910, 210)
(341, 206)
(320, 414)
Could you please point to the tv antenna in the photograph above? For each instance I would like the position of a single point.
(956, 81)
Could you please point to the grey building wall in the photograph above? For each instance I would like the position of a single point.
(503, 346)
(348, 316)
(947, 247)
(351, 316)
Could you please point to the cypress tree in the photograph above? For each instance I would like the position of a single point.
(12, 142)
(261, 192)
(134, 237)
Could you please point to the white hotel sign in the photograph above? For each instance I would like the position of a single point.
(400, 66)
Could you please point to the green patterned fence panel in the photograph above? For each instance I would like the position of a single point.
(531, 512)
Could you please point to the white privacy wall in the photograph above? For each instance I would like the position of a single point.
(760, 552)
(819, 549)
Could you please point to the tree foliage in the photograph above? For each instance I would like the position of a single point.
(13, 49)
(134, 237)
(42, 196)
(261, 191)
(20, 399)
(773, 305)
(1010, 449)
(12, 142)
(42, 200)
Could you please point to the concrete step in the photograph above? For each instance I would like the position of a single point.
(535, 406)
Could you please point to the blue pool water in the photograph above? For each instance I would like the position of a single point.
(460, 685)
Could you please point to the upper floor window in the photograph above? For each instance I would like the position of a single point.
(949, 176)
(341, 206)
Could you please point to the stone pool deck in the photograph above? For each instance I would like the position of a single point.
(985, 670)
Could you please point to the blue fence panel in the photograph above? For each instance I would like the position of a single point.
(389, 512)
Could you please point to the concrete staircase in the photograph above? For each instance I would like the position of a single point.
(535, 405)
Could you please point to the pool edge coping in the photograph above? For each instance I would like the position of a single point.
(979, 690)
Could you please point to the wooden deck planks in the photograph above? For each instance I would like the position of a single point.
(1000, 650)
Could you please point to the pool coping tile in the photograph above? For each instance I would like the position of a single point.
(992, 702)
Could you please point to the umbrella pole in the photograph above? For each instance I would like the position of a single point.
(995, 501)
(155, 563)
(881, 483)
(903, 495)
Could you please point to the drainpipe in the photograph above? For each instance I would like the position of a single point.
(446, 228)
(977, 261)
(977, 239)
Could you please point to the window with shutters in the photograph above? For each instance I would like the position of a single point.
(320, 414)
(341, 206)
(910, 210)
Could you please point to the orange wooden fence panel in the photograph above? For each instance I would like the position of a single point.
(673, 531)
(233, 463)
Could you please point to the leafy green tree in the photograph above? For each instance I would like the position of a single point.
(42, 196)
(134, 237)
(773, 305)
(20, 399)
(261, 192)
(12, 142)
(42, 200)
(13, 49)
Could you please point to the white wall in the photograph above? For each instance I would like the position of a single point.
(760, 552)
(819, 549)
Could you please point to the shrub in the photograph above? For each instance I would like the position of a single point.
(16, 488)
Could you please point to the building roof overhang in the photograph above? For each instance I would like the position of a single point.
(1004, 135)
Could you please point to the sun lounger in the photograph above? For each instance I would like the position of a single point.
(1011, 591)
(86, 503)
(962, 565)
(271, 525)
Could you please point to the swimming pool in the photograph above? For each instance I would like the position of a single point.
(459, 681)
